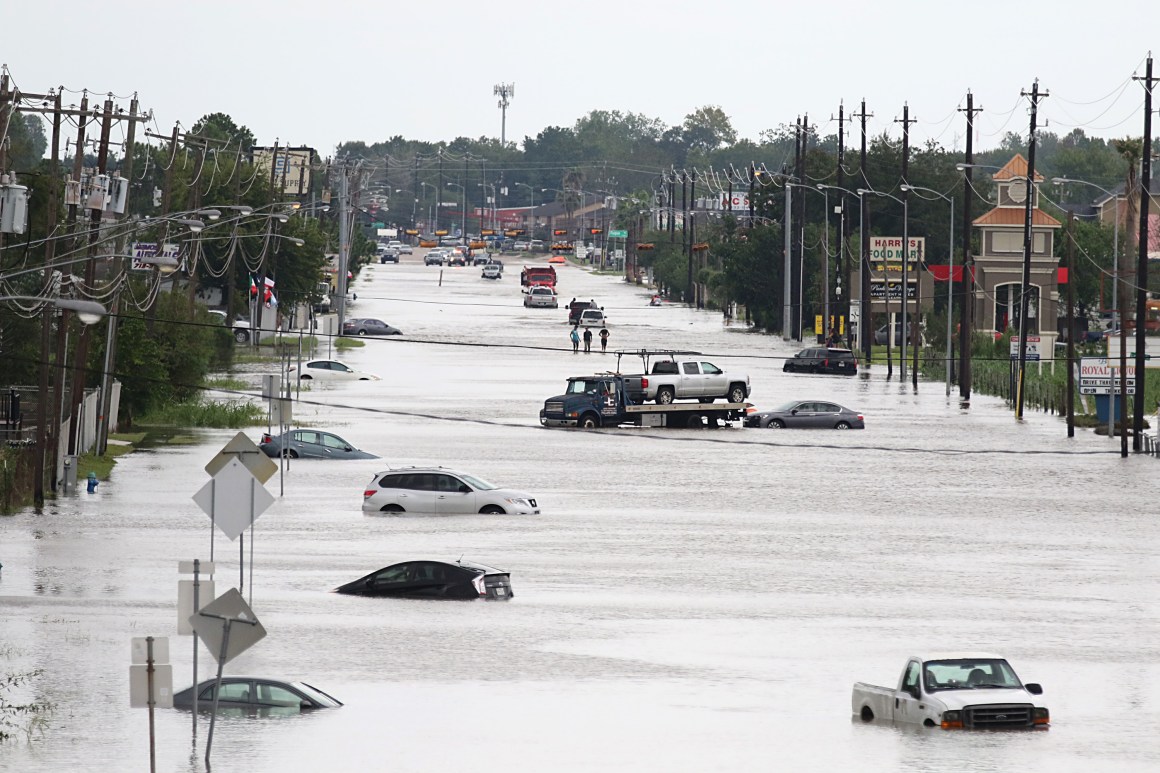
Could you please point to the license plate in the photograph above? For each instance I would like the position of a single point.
(501, 591)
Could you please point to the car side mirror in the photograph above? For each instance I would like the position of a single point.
(793, 412)
(1033, 688)
(912, 690)
(464, 488)
(348, 448)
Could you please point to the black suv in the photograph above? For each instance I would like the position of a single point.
(823, 360)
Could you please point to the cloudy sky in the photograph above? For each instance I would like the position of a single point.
(319, 73)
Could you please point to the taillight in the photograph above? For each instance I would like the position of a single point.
(860, 418)
(644, 383)
(368, 493)
(479, 586)
(826, 363)
(266, 437)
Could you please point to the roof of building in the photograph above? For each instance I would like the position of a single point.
(1011, 216)
(1016, 167)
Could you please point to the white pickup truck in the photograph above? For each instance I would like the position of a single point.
(677, 375)
(979, 692)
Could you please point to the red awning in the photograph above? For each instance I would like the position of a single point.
(939, 272)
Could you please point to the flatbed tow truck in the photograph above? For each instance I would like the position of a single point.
(612, 399)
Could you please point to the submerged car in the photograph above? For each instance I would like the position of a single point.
(492, 271)
(823, 359)
(366, 326)
(331, 370)
(310, 444)
(434, 580)
(251, 692)
(442, 492)
(807, 414)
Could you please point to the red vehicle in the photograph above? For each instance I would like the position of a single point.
(538, 276)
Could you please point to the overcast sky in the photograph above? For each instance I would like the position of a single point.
(319, 73)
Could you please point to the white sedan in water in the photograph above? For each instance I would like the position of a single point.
(330, 370)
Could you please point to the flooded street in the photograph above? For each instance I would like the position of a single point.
(687, 601)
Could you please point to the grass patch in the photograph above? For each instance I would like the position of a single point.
(224, 382)
(348, 343)
(226, 414)
(103, 464)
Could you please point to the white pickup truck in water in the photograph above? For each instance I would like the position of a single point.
(676, 375)
(979, 692)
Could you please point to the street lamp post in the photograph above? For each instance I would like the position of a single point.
(862, 307)
(950, 273)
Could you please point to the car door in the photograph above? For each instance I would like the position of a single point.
(281, 699)
(341, 372)
(334, 447)
(825, 415)
(235, 694)
(416, 492)
(803, 416)
(453, 496)
(307, 444)
(691, 383)
(906, 700)
(713, 381)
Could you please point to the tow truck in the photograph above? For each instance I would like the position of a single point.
(612, 399)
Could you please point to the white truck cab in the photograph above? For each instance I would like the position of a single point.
(954, 691)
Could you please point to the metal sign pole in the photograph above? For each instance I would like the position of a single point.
(253, 482)
(212, 519)
(149, 672)
(196, 607)
(217, 688)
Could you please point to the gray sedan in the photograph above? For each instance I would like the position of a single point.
(311, 444)
(806, 414)
(366, 326)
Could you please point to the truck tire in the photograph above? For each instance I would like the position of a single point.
(590, 421)
(695, 421)
(241, 336)
(867, 714)
(737, 393)
(665, 395)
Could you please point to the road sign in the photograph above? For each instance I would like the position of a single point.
(247, 452)
(1101, 376)
(205, 592)
(141, 648)
(233, 499)
(618, 234)
(210, 624)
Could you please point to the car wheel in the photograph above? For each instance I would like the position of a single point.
(392, 509)
(775, 424)
(842, 425)
(665, 396)
(241, 336)
(290, 453)
(305, 377)
(492, 510)
(362, 332)
(590, 421)
(737, 393)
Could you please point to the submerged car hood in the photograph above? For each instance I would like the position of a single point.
(957, 699)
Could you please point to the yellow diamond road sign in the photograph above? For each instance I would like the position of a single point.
(247, 452)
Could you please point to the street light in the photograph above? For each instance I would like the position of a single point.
(905, 278)
(950, 272)
(1061, 181)
(462, 209)
(863, 327)
(88, 312)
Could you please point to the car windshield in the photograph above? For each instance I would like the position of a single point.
(317, 695)
(579, 386)
(969, 674)
(479, 483)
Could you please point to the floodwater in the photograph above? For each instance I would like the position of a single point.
(688, 600)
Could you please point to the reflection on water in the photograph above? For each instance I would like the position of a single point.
(687, 601)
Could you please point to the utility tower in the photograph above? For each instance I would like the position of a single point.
(504, 91)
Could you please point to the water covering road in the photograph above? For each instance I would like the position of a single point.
(689, 600)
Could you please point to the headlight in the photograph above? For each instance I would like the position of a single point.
(952, 719)
(1041, 715)
(518, 501)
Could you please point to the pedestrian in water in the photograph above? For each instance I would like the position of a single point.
(603, 340)
(575, 336)
(587, 340)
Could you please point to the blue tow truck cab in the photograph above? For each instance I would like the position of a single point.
(613, 400)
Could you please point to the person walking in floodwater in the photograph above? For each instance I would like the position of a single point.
(603, 340)
(588, 340)
(575, 336)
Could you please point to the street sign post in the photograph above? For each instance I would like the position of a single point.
(150, 681)
(1032, 347)
(615, 234)
(246, 451)
(191, 596)
(233, 499)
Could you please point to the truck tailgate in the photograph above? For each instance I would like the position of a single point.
(878, 701)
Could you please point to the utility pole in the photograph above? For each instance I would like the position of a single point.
(842, 267)
(865, 328)
(1071, 276)
(799, 227)
(694, 296)
(967, 310)
(1142, 261)
(439, 191)
(787, 264)
(913, 332)
(343, 240)
(685, 235)
(504, 91)
(672, 207)
(1028, 210)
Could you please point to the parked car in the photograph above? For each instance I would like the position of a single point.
(256, 692)
(331, 370)
(240, 329)
(521, 246)
(367, 326)
(492, 271)
(536, 245)
(310, 444)
(389, 255)
(576, 308)
(541, 297)
(481, 258)
(434, 580)
(406, 249)
(822, 359)
(807, 414)
(441, 491)
(433, 258)
(880, 335)
(457, 257)
(955, 692)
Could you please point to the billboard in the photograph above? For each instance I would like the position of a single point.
(291, 168)
(887, 251)
(878, 290)
(143, 252)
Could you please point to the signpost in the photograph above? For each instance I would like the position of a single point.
(150, 681)
(190, 595)
(1100, 376)
(1032, 347)
(618, 234)
(214, 625)
(233, 499)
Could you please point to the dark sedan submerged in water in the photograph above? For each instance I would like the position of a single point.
(434, 580)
